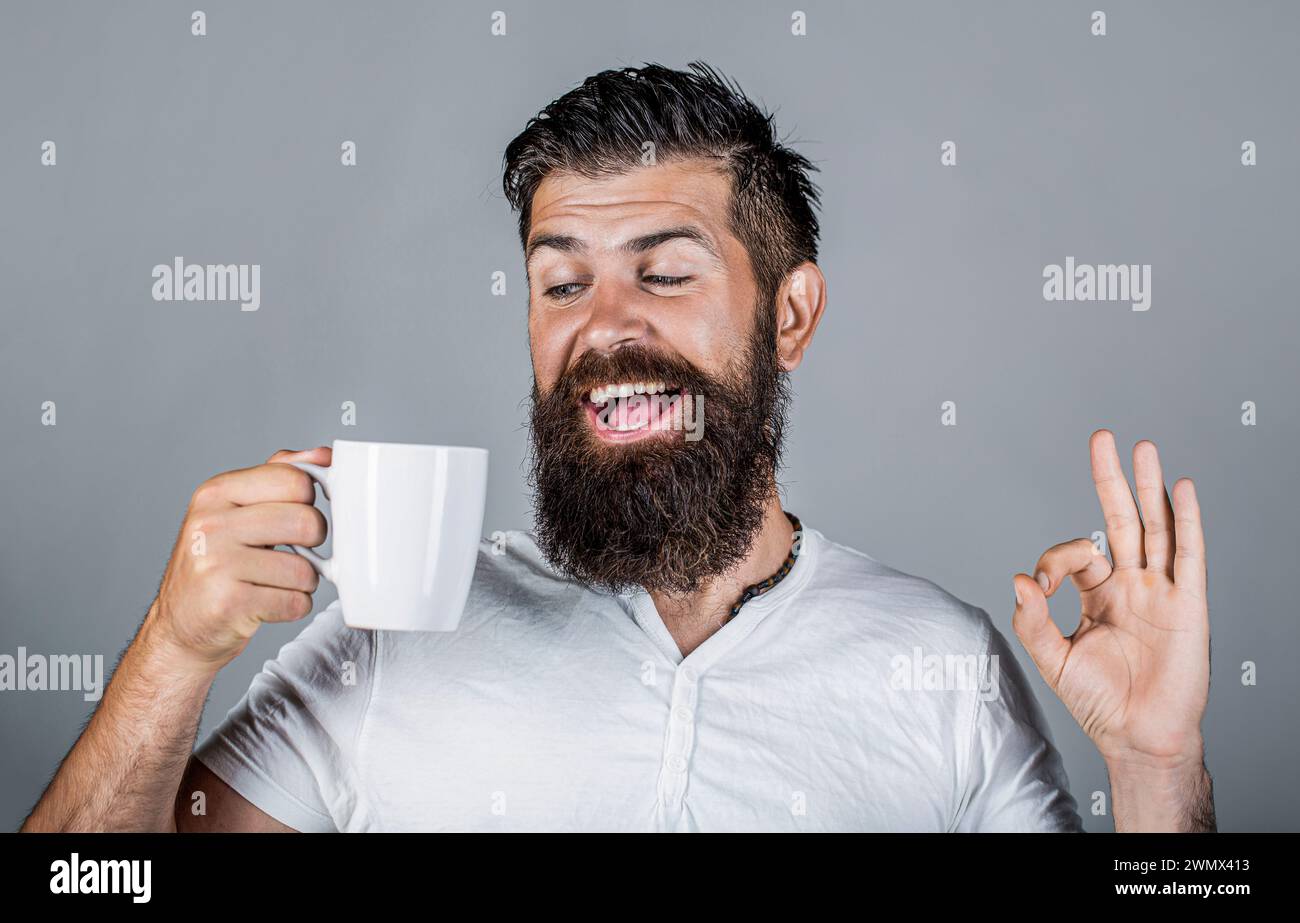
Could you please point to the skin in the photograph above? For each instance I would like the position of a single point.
(1134, 674)
(592, 294)
(131, 769)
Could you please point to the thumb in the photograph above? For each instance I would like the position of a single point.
(321, 455)
(1037, 632)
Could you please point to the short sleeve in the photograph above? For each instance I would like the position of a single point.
(289, 744)
(1016, 781)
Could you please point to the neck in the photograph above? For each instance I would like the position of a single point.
(691, 618)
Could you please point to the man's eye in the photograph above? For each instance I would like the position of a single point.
(565, 290)
(668, 281)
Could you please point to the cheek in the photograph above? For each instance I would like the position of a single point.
(546, 345)
(701, 331)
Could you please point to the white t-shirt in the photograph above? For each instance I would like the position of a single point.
(849, 697)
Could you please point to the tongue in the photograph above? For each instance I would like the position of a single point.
(639, 411)
(631, 412)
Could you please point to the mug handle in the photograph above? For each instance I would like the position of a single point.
(323, 566)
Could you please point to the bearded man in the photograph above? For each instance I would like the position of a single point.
(669, 649)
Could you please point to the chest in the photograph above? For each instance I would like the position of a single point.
(629, 742)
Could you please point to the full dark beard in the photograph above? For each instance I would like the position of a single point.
(661, 513)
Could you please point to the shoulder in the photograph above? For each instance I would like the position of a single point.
(510, 564)
(885, 598)
(513, 552)
(513, 581)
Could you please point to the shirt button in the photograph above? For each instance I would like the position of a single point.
(682, 713)
(689, 675)
(677, 763)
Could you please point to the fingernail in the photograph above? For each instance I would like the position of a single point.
(1043, 581)
(1016, 587)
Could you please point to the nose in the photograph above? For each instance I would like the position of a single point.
(615, 319)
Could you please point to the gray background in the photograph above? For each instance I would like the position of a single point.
(375, 289)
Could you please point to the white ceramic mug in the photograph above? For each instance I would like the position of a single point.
(406, 524)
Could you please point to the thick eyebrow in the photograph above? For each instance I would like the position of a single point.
(684, 232)
(567, 244)
(561, 242)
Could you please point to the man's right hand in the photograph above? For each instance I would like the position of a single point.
(225, 577)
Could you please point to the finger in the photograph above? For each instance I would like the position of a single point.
(269, 483)
(1037, 632)
(1123, 528)
(274, 604)
(269, 524)
(285, 570)
(321, 455)
(1189, 557)
(1078, 559)
(1157, 514)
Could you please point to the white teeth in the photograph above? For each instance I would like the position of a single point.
(605, 393)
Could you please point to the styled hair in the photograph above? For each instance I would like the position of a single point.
(600, 128)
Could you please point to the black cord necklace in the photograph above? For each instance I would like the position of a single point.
(758, 589)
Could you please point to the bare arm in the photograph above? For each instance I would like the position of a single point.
(226, 811)
(122, 773)
(1176, 799)
(223, 580)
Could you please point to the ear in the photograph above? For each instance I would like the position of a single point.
(799, 305)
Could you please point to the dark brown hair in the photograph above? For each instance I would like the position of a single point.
(599, 129)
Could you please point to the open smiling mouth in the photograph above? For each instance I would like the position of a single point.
(634, 410)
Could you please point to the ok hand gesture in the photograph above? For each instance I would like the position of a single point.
(1135, 673)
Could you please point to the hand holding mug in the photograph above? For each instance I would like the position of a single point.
(224, 577)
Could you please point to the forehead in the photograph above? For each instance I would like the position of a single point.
(604, 211)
